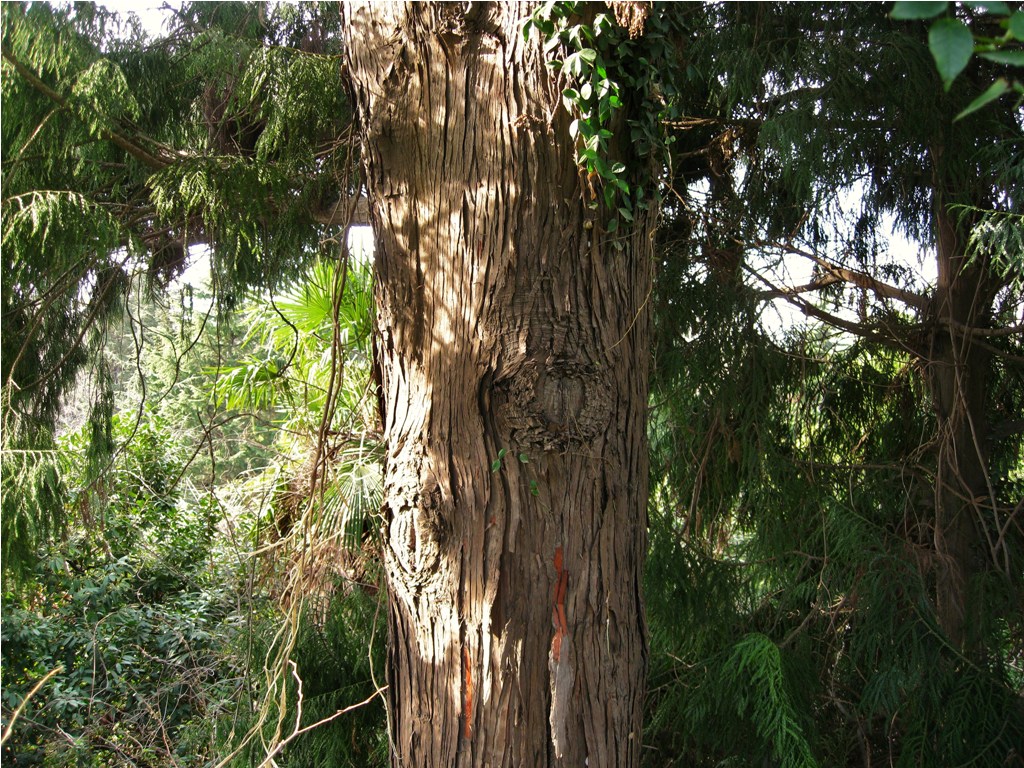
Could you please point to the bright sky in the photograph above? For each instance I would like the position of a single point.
(151, 13)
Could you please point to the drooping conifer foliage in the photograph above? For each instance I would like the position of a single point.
(847, 491)
(835, 573)
(122, 152)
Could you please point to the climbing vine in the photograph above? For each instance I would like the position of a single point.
(953, 43)
(602, 62)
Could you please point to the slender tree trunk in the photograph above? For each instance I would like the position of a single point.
(958, 373)
(513, 345)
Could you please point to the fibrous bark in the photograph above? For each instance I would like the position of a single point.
(512, 343)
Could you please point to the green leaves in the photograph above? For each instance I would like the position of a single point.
(596, 69)
(904, 11)
(1015, 25)
(125, 614)
(496, 464)
(755, 666)
(917, 10)
(104, 90)
(290, 369)
(993, 92)
(1009, 58)
(952, 45)
(57, 221)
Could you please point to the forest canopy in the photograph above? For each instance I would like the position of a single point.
(715, 423)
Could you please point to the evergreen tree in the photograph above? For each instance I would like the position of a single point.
(867, 467)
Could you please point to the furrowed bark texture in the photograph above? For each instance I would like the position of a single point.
(508, 327)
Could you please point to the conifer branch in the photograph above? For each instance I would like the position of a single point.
(833, 273)
(836, 273)
(858, 329)
(95, 311)
(816, 284)
(124, 143)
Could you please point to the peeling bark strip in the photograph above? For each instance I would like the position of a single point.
(508, 326)
(558, 611)
(467, 695)
(559, 664)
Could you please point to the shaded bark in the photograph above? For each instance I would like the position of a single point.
(957, 379)
(512, 337)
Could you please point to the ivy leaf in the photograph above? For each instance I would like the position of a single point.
(912, 10)
(496, 464)
(994, 91)
(573, 64)
(602, 23)
(1010, 58)
(1016, 25)
(951, 44)
(569, 99)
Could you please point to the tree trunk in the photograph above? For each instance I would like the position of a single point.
(513, 348)
(957, 378)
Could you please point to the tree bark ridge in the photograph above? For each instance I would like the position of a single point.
(511, 336)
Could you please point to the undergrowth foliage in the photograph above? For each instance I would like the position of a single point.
(208, 607)
(131, 617)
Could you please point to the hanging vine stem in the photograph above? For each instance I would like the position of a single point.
(24, 702)
(278, 664)
(276, 674)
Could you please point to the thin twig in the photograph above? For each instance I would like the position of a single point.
(18, 710)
